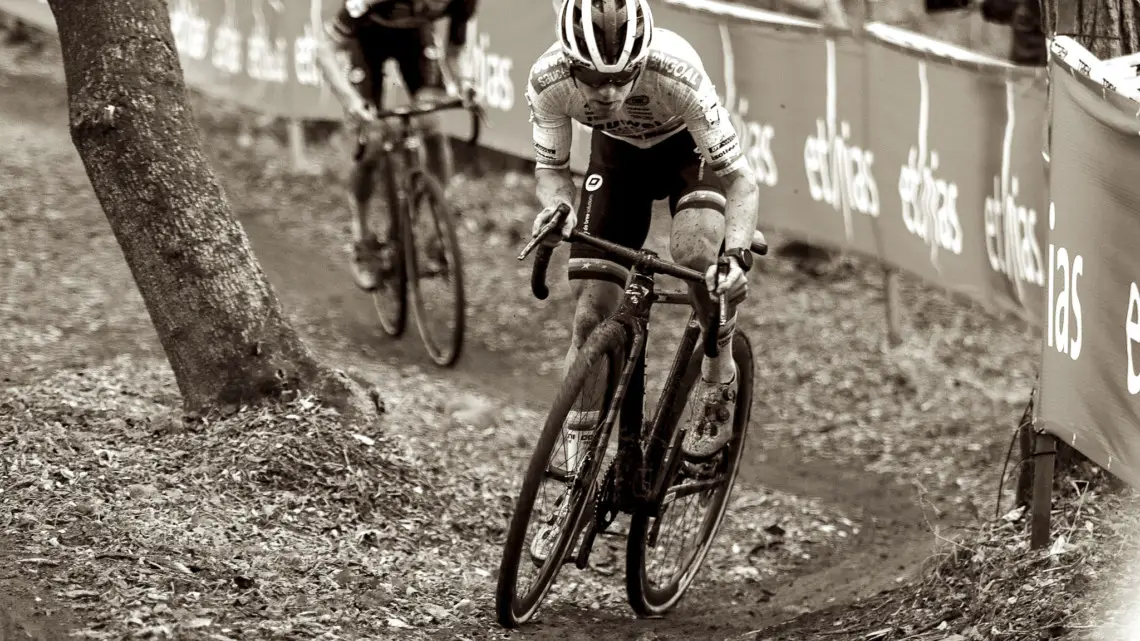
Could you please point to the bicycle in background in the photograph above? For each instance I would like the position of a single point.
(425, 264)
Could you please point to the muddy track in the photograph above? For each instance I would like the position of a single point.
(893, 540)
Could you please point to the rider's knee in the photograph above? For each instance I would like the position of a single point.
(696, 238)
(586, 319)
(595, 304)
(430, 121)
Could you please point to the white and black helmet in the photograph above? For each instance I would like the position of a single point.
(609, 36)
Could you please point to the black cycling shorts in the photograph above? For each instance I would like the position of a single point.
(617, 197)
(407, 47)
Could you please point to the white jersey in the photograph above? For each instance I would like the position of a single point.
(673, 92)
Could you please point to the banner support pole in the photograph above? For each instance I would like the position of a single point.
(1044, 455)
(296, 137)
(894, 314)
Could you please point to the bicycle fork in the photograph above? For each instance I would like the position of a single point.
(629, 453)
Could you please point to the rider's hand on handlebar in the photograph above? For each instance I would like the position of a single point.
(545, 216)
(358, 112)
(734, 283)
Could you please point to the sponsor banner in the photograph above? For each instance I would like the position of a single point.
(1090, 372)
(35, 12)
(942, 135)
(896, 146)
(259, 54)
(811, 139)
(1016, 209)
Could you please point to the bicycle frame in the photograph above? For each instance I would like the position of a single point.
(646, 452)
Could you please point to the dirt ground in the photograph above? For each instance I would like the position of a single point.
(849, 447)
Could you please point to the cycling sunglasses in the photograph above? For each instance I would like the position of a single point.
(598, 79)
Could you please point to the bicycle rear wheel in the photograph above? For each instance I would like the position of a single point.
(391, 297)
(652, 598)
(435, 269)
(595, 372)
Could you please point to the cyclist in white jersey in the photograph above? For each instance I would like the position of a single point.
(658, 131)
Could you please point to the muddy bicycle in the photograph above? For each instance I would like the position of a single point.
(649, 477)
(424, 264)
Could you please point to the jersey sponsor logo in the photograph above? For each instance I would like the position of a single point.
(637, 101)
(547, 61)
(725, 153)
(675, 68)
(640, 113)
(545, 153)
(629, 127)
(725, 142)
(712, 114)
(553, 75)
(593, 182)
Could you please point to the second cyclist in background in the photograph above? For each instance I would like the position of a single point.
(373, 32)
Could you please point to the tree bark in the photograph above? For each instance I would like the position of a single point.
(1107, 28)
(216, 315)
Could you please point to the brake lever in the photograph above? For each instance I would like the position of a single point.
(539, 237)
(556, 221)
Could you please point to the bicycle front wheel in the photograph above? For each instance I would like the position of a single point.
(566, 473)
(391, 296)
(665, 551)
(435, 270)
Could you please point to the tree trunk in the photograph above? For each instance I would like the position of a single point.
(1107, 28)
(216, 315)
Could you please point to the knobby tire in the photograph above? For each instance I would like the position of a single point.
(391, 298)
(608, 339)
(424, 187)
(646, 600)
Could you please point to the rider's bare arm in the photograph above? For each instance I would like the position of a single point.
(333, 40)
(740, 211)
(553, 187)
(552, 131)
(711, 126)
(460, 14)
